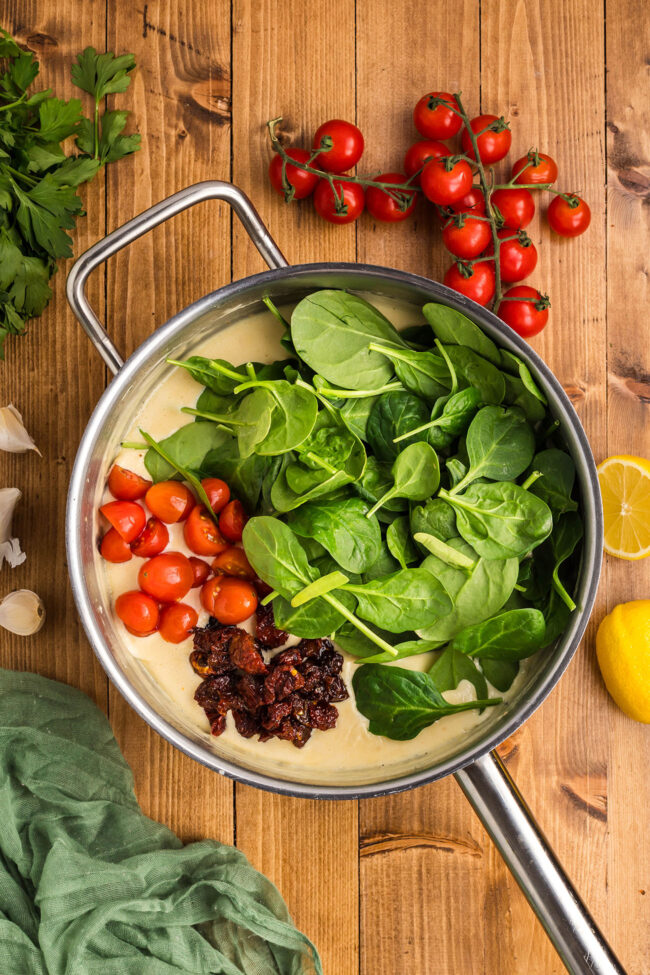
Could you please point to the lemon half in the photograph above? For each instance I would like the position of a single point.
(625, 489)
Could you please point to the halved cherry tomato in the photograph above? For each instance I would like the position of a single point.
(569, 218)
(171, 501)
(437, 121)
(381, 206)
(443, 185)
(152, 541)
(127, 518)
(516, 206)
(166, 577)
(421, 152)
(303, 183)
(479, 286)
(230, 600)
(346, 145)
(138, 611)
(232, 520)
(517, 255)
(473, 202)
(201, 571)
(494, 142)
(201, 534)
(113, 547)
(217, 491)
(125, 485)
(326, 206)
(467, 241)
(535, 168)
(527, 318)
(233, 562)
(176, 622)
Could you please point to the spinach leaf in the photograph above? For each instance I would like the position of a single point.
(187, 447)
(392, 415)
(556, 484)
(404, 600)
(244, 475)
(399, 703)
(556, 614)
(342, 527)
(422, 373)
(501, 520)
(332, 332)
(513, 635)
(515, 366)
(475, 593)
(416, 475)
(452, 667)
(432, 544)
(476, 371)
(456, 470)
(500, 445)
(500, 673)
(357, 644)
(400, 543)
(276, 555)
(563, 543)
(355, 413)
(374, 483)
(451, 420)
(292, 415)
(518, 395)
(454, 328)
(217, 375)
(311, 621)
(434, 517)
(383, 565)
(209, 402)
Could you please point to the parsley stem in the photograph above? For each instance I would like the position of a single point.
(96, 129)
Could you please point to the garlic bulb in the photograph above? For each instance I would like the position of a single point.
(22, 612)
(13, 435)
(9, 547)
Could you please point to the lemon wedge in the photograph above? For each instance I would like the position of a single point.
(625, 489)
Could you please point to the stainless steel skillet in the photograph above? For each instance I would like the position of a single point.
(473, 761)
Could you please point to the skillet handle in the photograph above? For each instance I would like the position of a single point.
(144, 222)
(508, 820)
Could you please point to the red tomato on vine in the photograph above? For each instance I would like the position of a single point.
(494, 139)
(345, 142)
(382, 206)
(303, 183)
(337, 210)
(517, 255)
(444, 182)
(468, 240)
(478, 284)
(436, 120)
(526, 317)
(536, 168)
(568, 217)
(516, 206)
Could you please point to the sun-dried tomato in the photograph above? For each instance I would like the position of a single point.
(266, 630)
(245, 653)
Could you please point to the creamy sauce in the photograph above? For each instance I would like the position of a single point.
(347, 747)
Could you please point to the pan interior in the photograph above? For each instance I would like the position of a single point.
(113, 418)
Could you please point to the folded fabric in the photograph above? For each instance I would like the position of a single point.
(90, 885)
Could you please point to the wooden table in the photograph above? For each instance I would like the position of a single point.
(408, 884)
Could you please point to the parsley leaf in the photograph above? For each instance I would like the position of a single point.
(102, 74)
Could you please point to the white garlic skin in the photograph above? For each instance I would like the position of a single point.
(13, 435)
(22, 612)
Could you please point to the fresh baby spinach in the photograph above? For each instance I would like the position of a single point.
(476, 371)
(500, 445)
(556, 483)
(405, 600)
(450, 418)
(400, 543)
(513, 635)
(391, 416)
(415, 473)
(421, 373)
(342, 528)
(187, 448)
(453, 328)
(500, 673)
(452, 667)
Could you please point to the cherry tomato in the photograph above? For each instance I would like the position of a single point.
(421, 152)
(176, 622)
(138, 611)
(444, 186)
(126, 517)
(232, 520)
(152, 541)
(535, 168)
(467, 241)
(437, 121)
(200, 569)
(381, 206)
(569, 219)
(325, 204)
(479, 286)
(473, 202)
(230, 600)
(233, 562)
(113, 547)
(217, 491)
(303, 183)
(517, 257)
(492, 146)
(524, 317)
(346, 145)
(166, 577)
(201, 533)
(125, 485)
(516, 206)
(170, 501)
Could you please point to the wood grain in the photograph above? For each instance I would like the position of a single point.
(300, 65)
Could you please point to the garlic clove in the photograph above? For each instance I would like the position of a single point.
(13, 435)
(9, 547)
(22, 612)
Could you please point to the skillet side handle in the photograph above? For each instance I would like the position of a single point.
(142, 224)
(506, 817)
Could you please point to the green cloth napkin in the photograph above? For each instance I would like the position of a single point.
(91, 886)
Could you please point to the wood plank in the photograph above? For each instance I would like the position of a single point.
(543, 69)
(43, 378)
(628, 431)
(180, 97)
(296, 61)
(422, 852)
